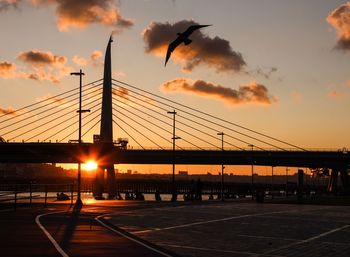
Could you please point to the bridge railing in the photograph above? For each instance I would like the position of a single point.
(16, 195)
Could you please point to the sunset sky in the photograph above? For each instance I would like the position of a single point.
(278, 67)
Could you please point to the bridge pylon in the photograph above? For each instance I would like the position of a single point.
(106, 133)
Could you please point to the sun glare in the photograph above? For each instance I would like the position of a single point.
(90, 165)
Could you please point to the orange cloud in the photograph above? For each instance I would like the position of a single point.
(39, 58)
(214, 52)
(297, 96)
(121, 92)
(96, 55)
(7, 70)
(335, 94)
(80, 61)
(250, 93)
(340, 20)
(82, 13)
(52, 99)
(6, 4)
(94, 59)
(44, 65)
(8, 111)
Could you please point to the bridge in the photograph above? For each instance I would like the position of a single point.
(42, 133)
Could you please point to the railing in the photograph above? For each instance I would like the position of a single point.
(28, 194)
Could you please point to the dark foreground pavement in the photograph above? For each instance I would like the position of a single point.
(75, 230)
(183, 229)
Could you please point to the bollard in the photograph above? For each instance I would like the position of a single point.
(71, 194)
(45, 204)
(15, 197)
(30, 193)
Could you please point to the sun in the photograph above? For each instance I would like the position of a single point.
(90, 165)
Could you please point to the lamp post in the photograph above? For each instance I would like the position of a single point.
(272, 182)
(287, 182)
(80, 111)
(222, 165)
(252, 182)
(174, 194)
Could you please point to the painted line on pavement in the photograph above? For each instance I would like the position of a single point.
(53, 241)
(309, 239)
(98, 219)
(209, 221)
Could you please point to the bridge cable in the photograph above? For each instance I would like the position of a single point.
(42, 101)
(180, 122)
(222, 120)
(139, 132)
(144, 127)
(42, 112)
(70, 125)
(254, 138)
(129, 135)
(153, 123)
(165, 110)
(76, 130)
(144, 120)
(46, 116)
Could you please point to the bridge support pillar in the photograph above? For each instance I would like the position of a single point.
(111, 186)
(333, 181)
(99, 183)
(345, 180)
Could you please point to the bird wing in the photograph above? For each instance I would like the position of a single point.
(192, 28)
(172, 47)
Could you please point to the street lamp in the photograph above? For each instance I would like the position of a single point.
(287, 182)
(80, 111)
(272, 182)
(174, 194)
(222, 165)
(252, 182)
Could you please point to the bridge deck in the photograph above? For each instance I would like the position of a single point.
(72, 153)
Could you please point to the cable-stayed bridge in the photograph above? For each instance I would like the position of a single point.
(148, 129)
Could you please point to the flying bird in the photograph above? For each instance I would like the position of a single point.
(182, 38)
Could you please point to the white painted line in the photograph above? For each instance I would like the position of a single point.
(98, 219)
(53, 241)
(215, 250)
(325, 233)
(208, 221)
(309, 239)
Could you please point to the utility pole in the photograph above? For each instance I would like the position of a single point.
(252, 182)
(174, 193)
(222, 165)
(80, 111)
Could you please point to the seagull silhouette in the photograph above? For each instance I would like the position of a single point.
(182, 38)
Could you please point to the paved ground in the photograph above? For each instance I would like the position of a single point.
(149, 229)
(242, 229)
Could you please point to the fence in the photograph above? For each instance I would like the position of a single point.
(28, 194)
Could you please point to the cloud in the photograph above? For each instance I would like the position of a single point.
(214, 52)
(82, 13)
(80, 61)
(121, 92)
(8, 111)
(94, 59)
(40, 58)
(296, 96)
(336, 94)
(6, 4)
(7, 70)
(250, 93)
(79, 13)
(267, 72)
(52, 99)
(96, 55)
(340, 20)
(44, 65)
